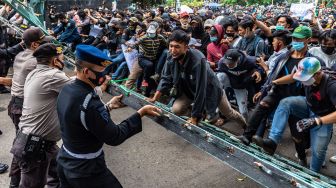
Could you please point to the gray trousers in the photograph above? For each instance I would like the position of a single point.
(181, 107)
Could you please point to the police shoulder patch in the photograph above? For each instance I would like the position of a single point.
(104, 113)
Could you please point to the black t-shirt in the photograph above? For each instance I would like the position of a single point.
(322, 98)
(290, 67)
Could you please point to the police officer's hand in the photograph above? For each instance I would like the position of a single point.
(149, 110)
(103, 87)
(115, 102)
(305, 124)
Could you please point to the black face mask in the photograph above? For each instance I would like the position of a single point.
(328, 50)
(100, 77)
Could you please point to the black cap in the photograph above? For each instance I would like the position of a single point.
(231, 56)
(47, 50)
(35, 34)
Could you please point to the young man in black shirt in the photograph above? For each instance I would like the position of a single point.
(317, 109)
(285, 64)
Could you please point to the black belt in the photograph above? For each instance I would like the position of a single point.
(45, 143)
(16, 99)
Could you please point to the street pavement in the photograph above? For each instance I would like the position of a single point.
(157, 157)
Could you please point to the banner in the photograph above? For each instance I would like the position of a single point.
(302, 10)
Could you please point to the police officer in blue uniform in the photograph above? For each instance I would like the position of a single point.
(86, 124)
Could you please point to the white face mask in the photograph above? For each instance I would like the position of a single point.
(309, 82)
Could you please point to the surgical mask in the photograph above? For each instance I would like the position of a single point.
(279, 27)
(328, 50)
(309, 82)
(298, 45)
(100, 77)
(151, 35)
(213, 39)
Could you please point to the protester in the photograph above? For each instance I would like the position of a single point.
(236, 51)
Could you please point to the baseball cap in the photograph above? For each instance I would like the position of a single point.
(174, 16)
(231, 56)
(209, 23)
(194, 42)
(133, 19)
(184, 14)
(153, 26)
(48, 50)
(307, 67)
(302, 32)
(35, 34)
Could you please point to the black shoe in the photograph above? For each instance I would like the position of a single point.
(3, 168)
(258, 140)
(303, 162)
(244, 140)
(269, 146)
(15, 181)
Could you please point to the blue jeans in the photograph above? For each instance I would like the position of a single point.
(319, 135)
(241, 94)
(119, 59)
(119, 70)
(161, 62)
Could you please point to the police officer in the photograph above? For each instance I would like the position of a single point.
(86, 124)
(24, 63)
(35, 146)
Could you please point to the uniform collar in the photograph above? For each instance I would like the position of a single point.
(86, 85)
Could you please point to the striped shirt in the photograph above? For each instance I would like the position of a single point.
(150, 47)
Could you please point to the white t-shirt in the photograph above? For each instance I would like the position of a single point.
(329, 60)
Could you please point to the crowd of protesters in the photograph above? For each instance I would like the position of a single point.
(275, 68)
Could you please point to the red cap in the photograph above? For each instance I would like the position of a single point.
(184, 14)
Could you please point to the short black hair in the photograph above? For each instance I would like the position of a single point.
(328, 34)
(289, 19)
(179, 36)
(246, 23)
(230, 21)
(284, 35)
(61, 16)
(315, 32)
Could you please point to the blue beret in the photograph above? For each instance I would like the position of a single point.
(92, 55)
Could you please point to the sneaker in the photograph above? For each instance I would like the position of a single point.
(269, 146)
(243, 139)
(3, 168)
(333, 159)
(144, 84)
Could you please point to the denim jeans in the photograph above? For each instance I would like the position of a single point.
(118, 59)
(161, 62)
(241, 94)
(319, 135)
(119, 70)
(148, 70)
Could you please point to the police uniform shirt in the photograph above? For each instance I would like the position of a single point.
(24, 63)
(101, 129)
(39, 115)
